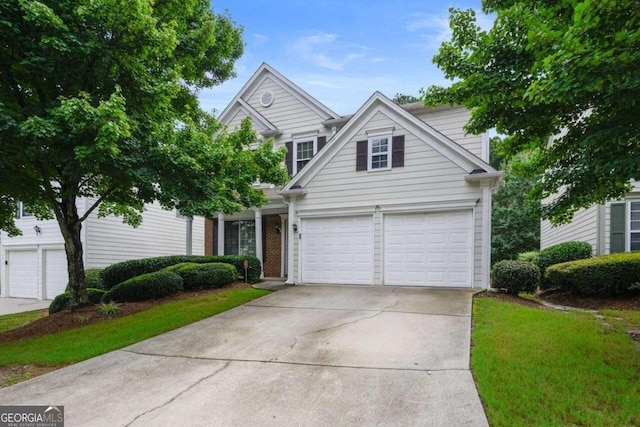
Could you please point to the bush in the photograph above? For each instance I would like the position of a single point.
(145, 286)
(61, 302)
(562, 252)
(122, 271)
(515, 276)
(531, 256)
(205, 276)
(93, 278)
(605, 275)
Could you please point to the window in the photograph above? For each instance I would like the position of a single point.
(240, 237)
(634, 226)
(22, 212)
(304, 153)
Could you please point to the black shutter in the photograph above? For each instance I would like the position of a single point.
(289, 157)
(362, 148)
(397, 147)
(322, 141)
(617, 241)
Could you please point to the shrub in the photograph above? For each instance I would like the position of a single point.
(531, 256)
(562, 252)
(61, 302)
(93, 278)
(605, 275)
(205, 276)
(118, 273)
(515, 276)
(145, 286)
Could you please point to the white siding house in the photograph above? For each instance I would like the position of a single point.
(609, 228)
(34, 264)
(391, 195)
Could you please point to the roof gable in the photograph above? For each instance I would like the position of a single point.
(380, 103)
(266, 71)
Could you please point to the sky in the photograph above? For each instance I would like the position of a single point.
(340, 52)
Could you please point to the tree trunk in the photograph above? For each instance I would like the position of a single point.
(71, 226)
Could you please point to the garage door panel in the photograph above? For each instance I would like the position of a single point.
(429, 249)
(56, 277)
(345, 255)
(23, 274)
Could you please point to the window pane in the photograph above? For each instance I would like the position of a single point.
(635, 216)
(635, 206)
(635, 225)
(635, 241)
(379, 145)
(231, 237)
(301, 164)
(304, 150)
(247, 238)
(379, 161)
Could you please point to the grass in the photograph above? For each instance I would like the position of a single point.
(555, 368)
(11, 321)
(82, 343)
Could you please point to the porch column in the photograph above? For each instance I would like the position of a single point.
(258, 218)
(291, 237)
(486, 236)
(220, 233)
(283, 243)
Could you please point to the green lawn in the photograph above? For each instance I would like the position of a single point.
(554, 368)
(82, 343)
(10, 321)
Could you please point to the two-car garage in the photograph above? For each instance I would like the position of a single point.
(414, 249)
(35, 272)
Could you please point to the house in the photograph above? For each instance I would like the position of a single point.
(609, 228)
(34, 264)
(391, 195)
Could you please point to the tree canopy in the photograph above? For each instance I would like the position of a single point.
(98, 99)
(402, 99)
(565, 69)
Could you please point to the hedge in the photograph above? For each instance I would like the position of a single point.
(122, 271)
(531, 256)
(562, 252)
(515, 276)
(605, 275)
(204, 276)
(145, 286)
(93, 278)
(61, 302)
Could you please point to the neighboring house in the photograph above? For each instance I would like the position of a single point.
(609, 228)
(391, 195)
(34, 265)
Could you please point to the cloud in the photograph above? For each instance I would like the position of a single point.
(433, 29)
(259, 39)
(324, 50)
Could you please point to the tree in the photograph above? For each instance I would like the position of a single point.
(567, 69)
(99, 100)
(402, 99)
(515, 217)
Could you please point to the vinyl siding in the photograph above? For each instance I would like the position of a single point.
(287, 113)
(583, 228)
(161, 233)
(450, 121)
(426, 177)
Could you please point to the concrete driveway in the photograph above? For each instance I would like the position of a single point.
(19, 305)
(307, 356)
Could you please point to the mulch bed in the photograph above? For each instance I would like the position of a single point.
(64, 320)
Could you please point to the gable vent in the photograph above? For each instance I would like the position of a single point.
(266, 99)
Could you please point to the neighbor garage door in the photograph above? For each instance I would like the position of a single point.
(56, 276)
(429, 249)
(338, 250)
(22, 272)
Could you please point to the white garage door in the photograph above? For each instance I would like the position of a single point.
(338, 250)
(56, 276)
(22, 271)
(429, 249)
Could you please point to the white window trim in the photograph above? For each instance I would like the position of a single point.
(20, 212)
(370, 153)
(300, 138)
(627, 225)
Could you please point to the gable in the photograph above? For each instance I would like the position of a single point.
(370, 117)
(426, 173)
